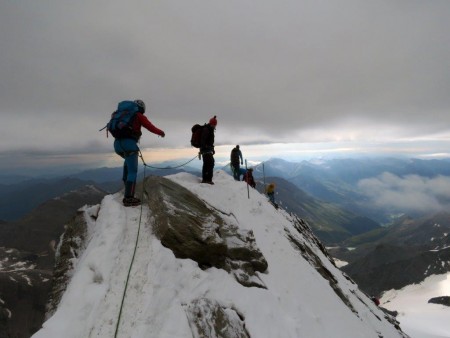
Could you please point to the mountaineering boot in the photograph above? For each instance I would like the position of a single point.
(129, 199)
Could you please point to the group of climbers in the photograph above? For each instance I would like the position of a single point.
(125, 145)
(235, 161)
(249, 179)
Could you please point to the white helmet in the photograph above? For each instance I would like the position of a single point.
(141, 105)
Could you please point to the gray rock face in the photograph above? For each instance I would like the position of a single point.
(23, 295)
(27, 261)
(306, 251)
(193, 229)
(444, 300)
(393, 267)
(71, 246)
(209, 319)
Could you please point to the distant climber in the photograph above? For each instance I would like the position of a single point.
(207, 150)
(270, 192)
(248, 177)
(375, 300)
(236, 160)
(126, 147)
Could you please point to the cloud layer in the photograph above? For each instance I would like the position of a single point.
(411, 193)
(295, 71)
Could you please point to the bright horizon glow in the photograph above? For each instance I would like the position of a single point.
(31, 162)
(300, 151)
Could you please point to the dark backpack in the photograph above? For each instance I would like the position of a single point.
(196, 138)
(121, 123)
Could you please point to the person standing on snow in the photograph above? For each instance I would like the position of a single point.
(248, 177)
(128, 149)
(207, 150)
(270, 192)
(235, 156)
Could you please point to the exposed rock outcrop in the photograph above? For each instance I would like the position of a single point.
(26, 265)
(71, 245)
(444, 300)
(193, 229)
(22, 301)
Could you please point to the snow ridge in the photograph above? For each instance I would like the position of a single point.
(169, 297)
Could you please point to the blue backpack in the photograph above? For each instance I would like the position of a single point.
(120, 125)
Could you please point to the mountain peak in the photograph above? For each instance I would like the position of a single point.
(209, 261)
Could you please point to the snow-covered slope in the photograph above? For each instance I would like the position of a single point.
(300, 293)
(418, 317)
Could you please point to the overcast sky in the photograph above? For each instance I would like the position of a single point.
(318, 74)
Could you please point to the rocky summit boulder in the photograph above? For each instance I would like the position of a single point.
(193, 229)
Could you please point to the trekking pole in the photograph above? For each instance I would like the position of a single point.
(246, 172)
(264, 175)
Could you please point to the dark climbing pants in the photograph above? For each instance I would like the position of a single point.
(208, 167)
(235, 168)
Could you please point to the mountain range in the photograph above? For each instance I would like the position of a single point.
(383, 247)
(339, 181)
(20, 195)
(330, 222)
(407, 252)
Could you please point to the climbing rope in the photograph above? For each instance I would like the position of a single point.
(132, 261)
(137, 238)
(178, 166)
(139, 230)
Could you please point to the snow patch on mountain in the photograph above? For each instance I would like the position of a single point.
(417, 317)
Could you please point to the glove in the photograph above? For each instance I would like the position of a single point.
(162, 134)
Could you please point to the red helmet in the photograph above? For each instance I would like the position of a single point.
(213, 121)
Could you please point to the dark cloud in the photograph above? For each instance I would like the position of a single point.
(271, 71)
